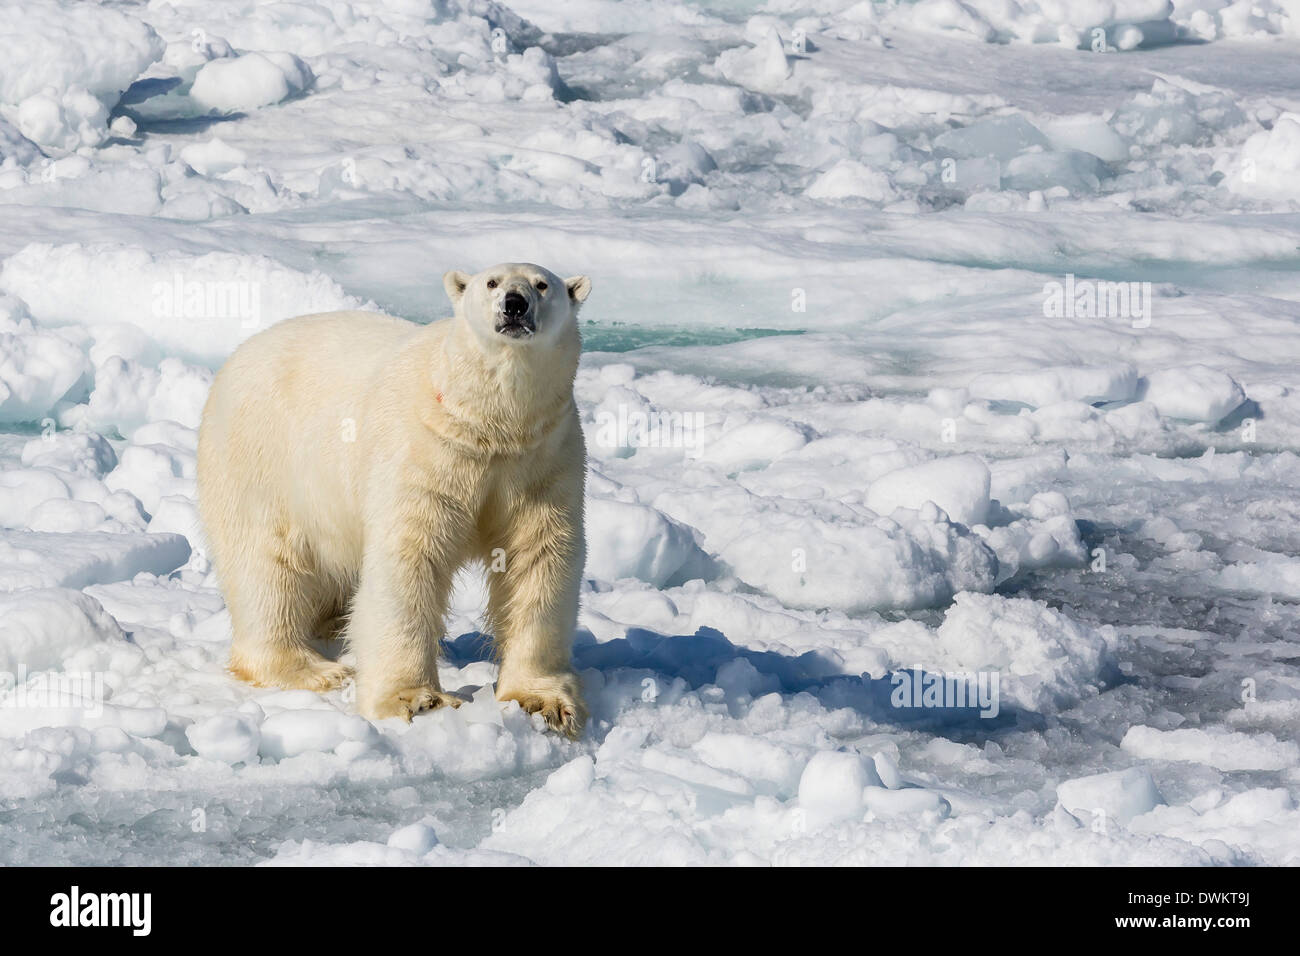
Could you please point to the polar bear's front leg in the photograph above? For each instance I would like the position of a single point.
(533, 607)
(396, 621)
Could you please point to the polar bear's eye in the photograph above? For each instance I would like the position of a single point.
(541, 287)
(492, 283)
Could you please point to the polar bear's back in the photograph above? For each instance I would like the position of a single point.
(331, 343)
(304, 371)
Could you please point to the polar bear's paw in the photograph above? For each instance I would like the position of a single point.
(324, 675)
(409, 702)
(305, 672)
(557, 699)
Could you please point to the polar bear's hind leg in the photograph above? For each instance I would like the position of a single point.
(276, 604)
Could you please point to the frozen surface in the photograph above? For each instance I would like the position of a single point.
(936, 349)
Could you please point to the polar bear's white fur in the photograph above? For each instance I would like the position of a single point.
(349, 463)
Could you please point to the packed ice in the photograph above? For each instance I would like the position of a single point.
(940, 391)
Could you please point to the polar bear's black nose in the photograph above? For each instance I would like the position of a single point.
(514, 305)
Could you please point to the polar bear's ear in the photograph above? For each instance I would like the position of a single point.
(579, 288)
(456, 282)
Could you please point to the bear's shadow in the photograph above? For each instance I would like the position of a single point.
(697, 658)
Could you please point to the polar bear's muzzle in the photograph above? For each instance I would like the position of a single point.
(515, 316)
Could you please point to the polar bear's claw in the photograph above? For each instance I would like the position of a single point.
(566, 718)
(557, 702)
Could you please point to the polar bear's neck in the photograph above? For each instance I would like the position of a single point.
(507, 396)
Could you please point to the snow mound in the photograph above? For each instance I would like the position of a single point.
(831, 787)
(1046, 658)
(80, 453)
(178, 514)
(747, 444)
(1194, 393)
(772, 767)
(1048, 386)
(1119, 794)
(38, 369)
(417, 838)
(1214, 820)
(127, 395)
(230, 85)
(762, 66)
(1045, 534)
(1269, 166)
(231, 738)
(1043, 659)
(823, 560)
(42, 627)
(161, 461)
(849, 179)
(213, 157)
(66, 65)
(952, 15)
(958, 484)
(15, 148)
(628, 540)
(293, 732)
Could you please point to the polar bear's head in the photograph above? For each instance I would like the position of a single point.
(517, 302)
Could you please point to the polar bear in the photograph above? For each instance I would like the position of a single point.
(349, 463)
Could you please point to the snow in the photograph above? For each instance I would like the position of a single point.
(72, 559)
(630, 540)
(230, 738)
(1197, 393)
(1103, 25)
(1044, 660)
(43, 626)
(959, 484)
(310, 730)
(418, 838)
(66, 65)
(831, 786)
(1213, 747)
(200, 306)
(1270, 160)
(1121, 794)
(848, 179)
(933, 346)
(1048, 386)
(249, 81)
